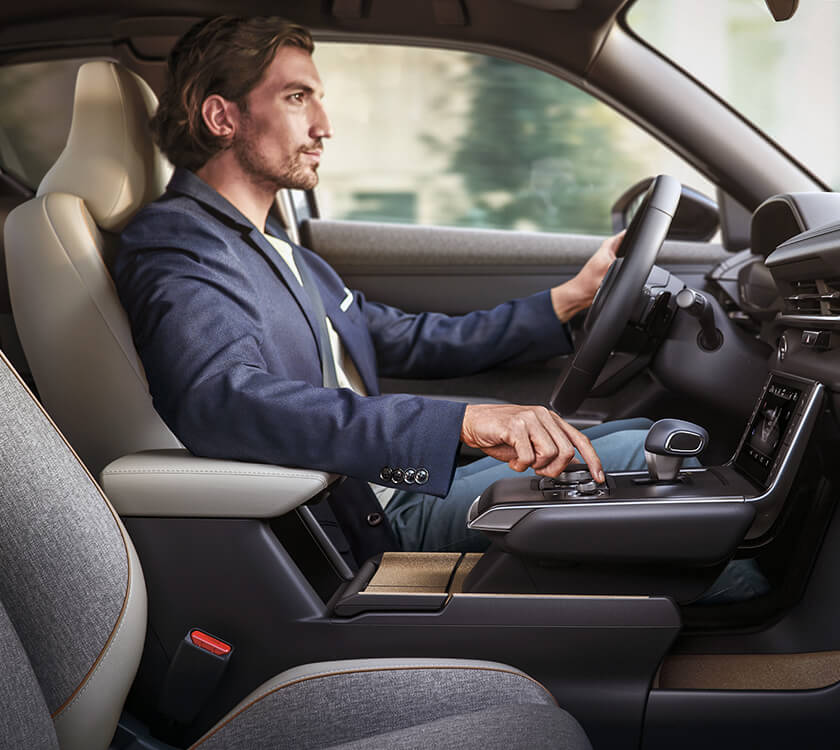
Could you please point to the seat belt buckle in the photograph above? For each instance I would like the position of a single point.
(196, 670)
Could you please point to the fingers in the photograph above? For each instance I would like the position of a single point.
(527, 436)
(520, 441)
(567, 438)
(587, 452)
(560, 451)
(614, 243)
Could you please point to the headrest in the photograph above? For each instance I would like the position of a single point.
(110, 160)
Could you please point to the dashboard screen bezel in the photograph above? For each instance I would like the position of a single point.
(750, 459)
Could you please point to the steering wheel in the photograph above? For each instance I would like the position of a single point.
(618, 293)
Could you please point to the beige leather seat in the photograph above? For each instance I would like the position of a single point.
(74, 332)
(76, 335)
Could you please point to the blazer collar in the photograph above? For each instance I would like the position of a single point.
(188, 183)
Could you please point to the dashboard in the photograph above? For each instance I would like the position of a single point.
(785, 289)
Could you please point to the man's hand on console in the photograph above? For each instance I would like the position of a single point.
(577, 293)
(527, 436)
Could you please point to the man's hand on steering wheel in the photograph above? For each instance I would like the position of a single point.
(577, 294)
(527, 436)
(619, 294)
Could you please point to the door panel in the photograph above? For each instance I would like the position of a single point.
(452, 270)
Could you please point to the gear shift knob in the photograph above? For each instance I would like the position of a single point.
(668, 442)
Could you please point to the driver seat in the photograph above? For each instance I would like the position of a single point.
(77, 338)
(59, 247)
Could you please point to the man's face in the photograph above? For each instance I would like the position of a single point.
(280, 135)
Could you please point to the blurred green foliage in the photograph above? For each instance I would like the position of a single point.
(538, 153)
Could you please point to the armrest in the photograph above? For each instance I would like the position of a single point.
(176, 483)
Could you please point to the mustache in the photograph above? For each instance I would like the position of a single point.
(314, 146)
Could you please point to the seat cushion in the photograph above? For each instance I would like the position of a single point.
(522, 725)
(392, 703)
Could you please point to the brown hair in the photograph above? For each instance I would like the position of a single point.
(226, 56)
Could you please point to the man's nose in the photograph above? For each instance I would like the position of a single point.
(321, 126)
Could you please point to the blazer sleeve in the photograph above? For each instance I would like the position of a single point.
(199, 335)
(433, 345)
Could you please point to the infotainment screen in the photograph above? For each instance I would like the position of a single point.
(767, 431)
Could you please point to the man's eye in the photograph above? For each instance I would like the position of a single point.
(297, 98)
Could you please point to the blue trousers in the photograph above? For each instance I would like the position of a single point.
(427, 523)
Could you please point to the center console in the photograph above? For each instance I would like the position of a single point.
(637, 534)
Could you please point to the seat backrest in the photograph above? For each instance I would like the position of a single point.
(74, 332)
(72, 595)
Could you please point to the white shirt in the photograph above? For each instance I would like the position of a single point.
(345, 369)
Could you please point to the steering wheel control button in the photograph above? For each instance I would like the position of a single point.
(410, 474)
(385, 473)
(397, 476)
(421, 476)
(374, 519)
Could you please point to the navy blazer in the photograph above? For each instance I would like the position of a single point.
(230, 346)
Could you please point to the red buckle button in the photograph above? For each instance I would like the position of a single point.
(209, 643)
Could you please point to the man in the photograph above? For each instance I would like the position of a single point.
(254, 349)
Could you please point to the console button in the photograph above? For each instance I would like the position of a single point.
(570, 477)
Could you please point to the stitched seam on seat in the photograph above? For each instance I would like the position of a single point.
(120, 617)
(100, 659)
(390, 668)
(232, 473)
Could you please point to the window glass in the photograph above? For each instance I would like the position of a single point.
(35, 116)
(453, 138)
(782, 76)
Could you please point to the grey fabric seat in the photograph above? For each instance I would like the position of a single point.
(73, 619)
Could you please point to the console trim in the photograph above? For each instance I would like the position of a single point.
(768, 503)
(496, 518)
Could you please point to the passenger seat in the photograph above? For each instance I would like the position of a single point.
(73, 621)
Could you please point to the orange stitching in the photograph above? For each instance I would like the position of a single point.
(117, 624)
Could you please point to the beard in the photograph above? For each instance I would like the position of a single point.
(292, 173)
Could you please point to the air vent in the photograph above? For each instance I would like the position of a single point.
(817, 298)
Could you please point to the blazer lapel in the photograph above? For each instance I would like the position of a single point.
(301, 297)
(188, 183)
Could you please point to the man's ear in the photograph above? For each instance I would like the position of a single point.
(220, 116)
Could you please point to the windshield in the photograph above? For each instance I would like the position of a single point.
(784, 77)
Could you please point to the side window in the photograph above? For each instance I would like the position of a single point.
(35, 116)
(440, 137)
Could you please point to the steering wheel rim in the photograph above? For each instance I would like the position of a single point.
(618, 293)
